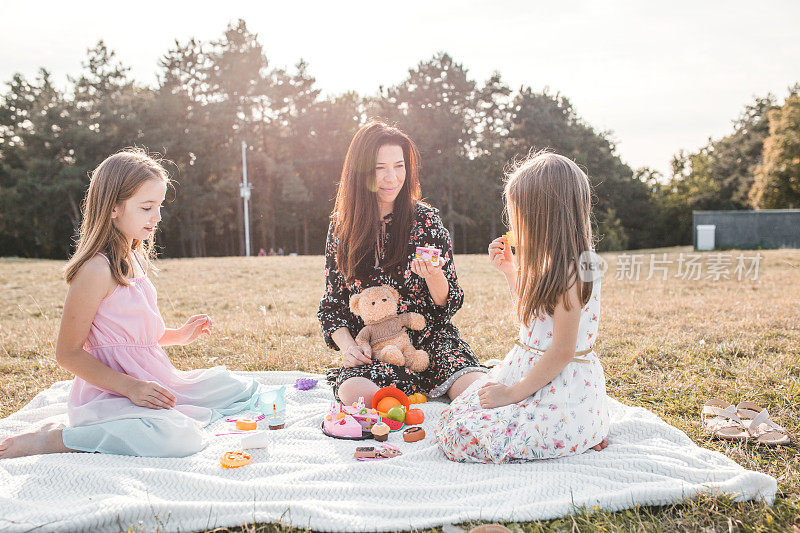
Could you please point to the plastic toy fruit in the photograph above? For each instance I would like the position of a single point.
(394, 425)
(414, 417)
(235, 459)
(397, 413)
(387, 403)
(417, 397)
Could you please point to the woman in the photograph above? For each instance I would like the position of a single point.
(377, 223)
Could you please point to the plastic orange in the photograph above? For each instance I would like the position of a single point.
(387, 403)
(235, 459)
(246, 424)
(417, 397)
(414, 417)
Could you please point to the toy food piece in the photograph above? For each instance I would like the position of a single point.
(235, 459)
(246, 424)
(417, 397)
(397, 413)
(256, 439)
(276, 422)
(370, 453)
(305, 383)
(341, 425)
(380, 431)
(387, 403)
(510, 239)
(394, 425)
(413, 434)
(428, 252)
(414, 417)
(388, 451)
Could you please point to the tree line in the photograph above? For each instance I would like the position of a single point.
(211, 96)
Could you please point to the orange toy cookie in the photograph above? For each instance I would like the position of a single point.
(235, 459)
(246, 424)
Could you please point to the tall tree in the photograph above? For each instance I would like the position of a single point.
(777, 179)
(548, 121)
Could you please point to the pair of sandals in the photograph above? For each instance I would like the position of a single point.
(741, 422)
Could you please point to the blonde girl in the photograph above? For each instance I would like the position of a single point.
(127, 397)
(548, 397)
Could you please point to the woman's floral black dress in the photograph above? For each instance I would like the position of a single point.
(450, 356)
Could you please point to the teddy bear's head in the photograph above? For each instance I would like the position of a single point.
(375, 303)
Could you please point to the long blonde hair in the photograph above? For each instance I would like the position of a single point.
(548, 198)
(114, 180)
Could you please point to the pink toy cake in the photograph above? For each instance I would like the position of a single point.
(350, 421)
(366, 417)
(337, 423)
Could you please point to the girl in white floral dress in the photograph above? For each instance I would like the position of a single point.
(548, 397)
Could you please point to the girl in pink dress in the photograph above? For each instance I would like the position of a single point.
(547, 398)
(127, 397)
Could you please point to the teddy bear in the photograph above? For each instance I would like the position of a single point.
(385, 330)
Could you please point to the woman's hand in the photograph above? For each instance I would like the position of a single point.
(426, 270)
(356, 355)
(501, 257)
(493, 394)
(193, 328)
(150, 394)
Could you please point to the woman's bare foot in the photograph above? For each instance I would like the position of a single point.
(601, 446)
(46, 439)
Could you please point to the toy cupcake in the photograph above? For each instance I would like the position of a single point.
(275, 421)
(380, 432)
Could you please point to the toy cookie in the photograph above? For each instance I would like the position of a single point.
(235, 459)
(370, 453)
(246, 424)
(413, 434)
(428, 252)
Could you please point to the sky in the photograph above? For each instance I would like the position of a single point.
(660, 78)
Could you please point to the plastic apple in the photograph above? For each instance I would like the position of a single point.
(397, 413)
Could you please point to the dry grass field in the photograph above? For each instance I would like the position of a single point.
(666, 345)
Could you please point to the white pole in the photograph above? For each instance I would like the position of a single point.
(245, 192)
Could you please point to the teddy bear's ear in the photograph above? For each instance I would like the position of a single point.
(354, 303)
(393, 292)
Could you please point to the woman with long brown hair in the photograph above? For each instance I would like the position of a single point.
(377, 223)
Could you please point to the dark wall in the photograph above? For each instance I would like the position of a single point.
(766, 228)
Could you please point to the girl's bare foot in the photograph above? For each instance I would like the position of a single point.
(601, 446)
(46, 439)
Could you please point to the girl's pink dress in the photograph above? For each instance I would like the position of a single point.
(124, 336)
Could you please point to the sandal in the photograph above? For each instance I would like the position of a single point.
(721, 419)
(760, 427)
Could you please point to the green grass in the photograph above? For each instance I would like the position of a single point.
(665, 345)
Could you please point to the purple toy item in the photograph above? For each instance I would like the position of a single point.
(305, 383)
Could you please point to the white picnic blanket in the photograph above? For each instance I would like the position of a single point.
(308, 480)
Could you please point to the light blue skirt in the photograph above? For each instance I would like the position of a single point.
(165, 432)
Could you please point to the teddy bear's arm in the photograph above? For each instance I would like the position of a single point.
(413, 321)
(364, 336)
